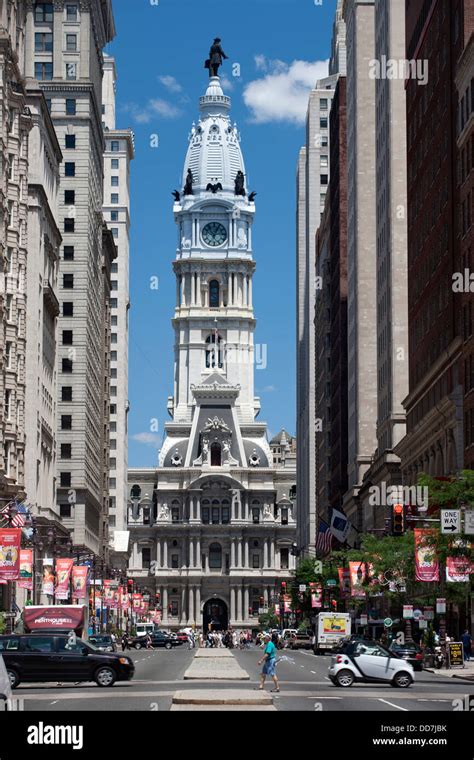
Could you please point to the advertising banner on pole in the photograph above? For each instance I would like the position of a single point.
(137, 602)
(47, 586)
(124, 599)
(357, 574)
(316, 595)
(79, 581)
(63, 575)
(10, 553)
(458, 569)
(110, 595)
(26, 569)
(426, 564)
(344, 581)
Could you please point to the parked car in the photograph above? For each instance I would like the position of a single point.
(104, 642)
(410, 652)
(39, 658)
(369, 662)
(300, 641)
(182, 637)
(158, 639)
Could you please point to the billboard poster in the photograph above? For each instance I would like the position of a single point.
(426, 564)
(334, 624)
(47, 586)
(344, 581)
(63, 575)
(357, 576)
(10, 553)
(26, 569)
(458, 569)
(110, 599)
(79, 581)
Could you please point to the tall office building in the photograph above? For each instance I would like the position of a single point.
(361, 246)
(119, 152)
(439, 318)
(312, 182)
(64, 43)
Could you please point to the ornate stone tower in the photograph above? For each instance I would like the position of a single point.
(216, 526)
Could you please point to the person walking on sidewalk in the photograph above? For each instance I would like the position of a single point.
(269, 662)
(467, 645)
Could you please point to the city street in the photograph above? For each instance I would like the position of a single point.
(303, 681)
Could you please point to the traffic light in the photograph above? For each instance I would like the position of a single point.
(334, 605)
(130, 586)
(283, 587)
(398, 520)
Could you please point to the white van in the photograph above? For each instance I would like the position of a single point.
(144, 628)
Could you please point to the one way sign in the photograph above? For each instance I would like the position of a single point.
(450, 521)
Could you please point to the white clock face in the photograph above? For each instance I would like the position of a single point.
(214, 234)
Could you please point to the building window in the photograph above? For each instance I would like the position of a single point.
(114, 198)
(225, 515)
(68, 281)
(115, 146)
(67, 366)
(323, 104)
(284, 559)
(68, 252)
(323, 122)
(8, 355)
(173, 608)
(66, 451)
(71, 71)
(71, 12)
(215, 556)
(324, 141)
(146, 558)
(71, 106)
(9, 307)
(69, 169)
(214, 294)
(68, 309)
(66, 393)
(71, 43)
(324, 162)
(205, 515)
(114, 181)
(255, 515)
(66, 422)
(65, 510)
(175, 561)
(216, 455)
(43, 42)
(214, 352)
(43, 13)
(255, 561)
(8, 404)
(71, 142)
(43, 71)
(114, 163)
(324, 179)
(69, 225)
(284, 516)
(67, 337)
(175, 514)
(115, 232)
(114, 217)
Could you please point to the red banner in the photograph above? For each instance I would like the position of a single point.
(60, 617)
(426, 564)
(316, 595)
(344, 581)
(63, 574)
(79, 581)
(137, 602)
(110, 595)
(47, 587)
(458, 569)
(10, 553)
(26, 569)
(124, 599)
(357, 572)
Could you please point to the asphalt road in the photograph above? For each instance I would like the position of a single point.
(303, 678)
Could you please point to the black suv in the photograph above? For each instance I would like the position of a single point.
(43, 657)
(158, 639)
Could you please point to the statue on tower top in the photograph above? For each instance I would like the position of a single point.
(216, 56)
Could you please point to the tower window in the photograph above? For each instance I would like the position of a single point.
(215, 556)
(214, 294)
(216, 455)
(214, 352)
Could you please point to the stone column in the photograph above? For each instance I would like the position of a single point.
(232, 553)
(164, 602)
(198, 553)
(191, 604)
(265, 595)
(199, 289)
(183, 605)
(239, 553)
(30, 61)
(246, 562)
(158, 552)
(239, 603)
(198, 605)
(272, 547)
(198, 508)
(250, 292)
(191, 552)
(265, 554)
(165, 553)
(232, 606)
(191, 507)
(246, 602)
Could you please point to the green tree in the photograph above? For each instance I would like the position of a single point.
(3, 625)
(268, 620)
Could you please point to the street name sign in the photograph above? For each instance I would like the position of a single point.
(450, 521)
(469, 522)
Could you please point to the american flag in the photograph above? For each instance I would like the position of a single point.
(323, 539)
(19, 519)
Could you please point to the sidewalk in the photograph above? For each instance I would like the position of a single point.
(465, 674)
(215, 665)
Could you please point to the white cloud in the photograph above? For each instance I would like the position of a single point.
(226, 84)
(155, 107)
(282, 94)
(170, 83)
(269, 389)
(148, 439)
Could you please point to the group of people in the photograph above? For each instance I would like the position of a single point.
(230, 639)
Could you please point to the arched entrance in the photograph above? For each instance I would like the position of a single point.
(215, 616)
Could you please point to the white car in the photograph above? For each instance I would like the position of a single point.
(369, 662)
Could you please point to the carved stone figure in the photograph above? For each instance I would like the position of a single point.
(164, 512)
(176, 459)
(252, 197)
(240, 184)
(241, 239)
(213, 188)
(188, 187)
(254, 459)
(176, 195)
(216, 57)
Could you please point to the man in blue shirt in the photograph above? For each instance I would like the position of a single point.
(269, 661)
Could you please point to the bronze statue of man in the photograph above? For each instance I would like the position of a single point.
(216, 56)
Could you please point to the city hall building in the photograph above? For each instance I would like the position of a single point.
(213, 526)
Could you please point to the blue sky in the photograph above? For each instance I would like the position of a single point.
(281, 47)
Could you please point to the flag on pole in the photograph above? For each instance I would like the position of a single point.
(324, 538)
(340, 525)
(19, 519)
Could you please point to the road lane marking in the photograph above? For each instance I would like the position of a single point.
(313, 672)
(405, 709)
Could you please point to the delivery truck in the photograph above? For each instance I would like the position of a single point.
(331, 627)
